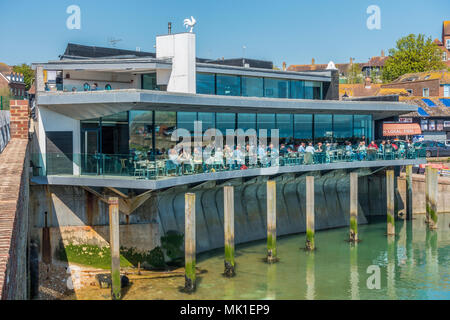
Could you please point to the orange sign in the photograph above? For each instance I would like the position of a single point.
(401, 129)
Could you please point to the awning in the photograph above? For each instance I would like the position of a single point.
(401, 129)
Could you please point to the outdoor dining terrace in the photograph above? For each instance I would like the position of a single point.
(142, 166)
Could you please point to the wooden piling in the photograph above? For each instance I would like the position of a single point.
(432, 198)
(271, 221)
(390, 202)
(310, 245)
(427, 193)
(114, 243)
(409, 198)
(353, 206)
(228, 203)
(189, 242)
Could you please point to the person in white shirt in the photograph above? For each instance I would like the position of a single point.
(309, 153)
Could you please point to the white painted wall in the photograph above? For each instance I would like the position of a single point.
(52, 121)
(180, 48)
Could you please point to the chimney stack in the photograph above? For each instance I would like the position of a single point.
(313, 61)
(169, 27)
(382, 53)
(284, 66)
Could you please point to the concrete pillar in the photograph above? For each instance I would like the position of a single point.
(114, 243)
(390, 202)
(409, 198)
(353, 206)
(228, 202)
(310, 245)
(189, 242)
(431, 205)
(271, 221)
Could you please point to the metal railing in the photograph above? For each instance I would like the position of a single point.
(4, 129)
(131, 166)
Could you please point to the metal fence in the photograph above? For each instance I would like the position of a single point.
(4, 129)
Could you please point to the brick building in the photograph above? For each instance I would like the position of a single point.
(423, 84)
(12, 80)
(444, 43)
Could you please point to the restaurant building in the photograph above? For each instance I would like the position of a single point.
(122, 104)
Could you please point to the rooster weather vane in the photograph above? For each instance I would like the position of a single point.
(190, 23)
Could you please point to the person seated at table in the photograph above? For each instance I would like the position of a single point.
(218, 157)
(238, 157)
(274, 155)
(186, 160)
(349, 150)
(174, 160)
(309, 153)
(301, 148)
(262, 155)
(198, 159)
(320, 152)
(382, 146)
(283, 150)
(362, 151)
(228, 154)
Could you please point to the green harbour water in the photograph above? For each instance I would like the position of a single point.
(415, 264)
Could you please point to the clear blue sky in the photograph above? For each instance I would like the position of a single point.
(285, 30)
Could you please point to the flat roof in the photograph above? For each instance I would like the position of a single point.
(93, 104)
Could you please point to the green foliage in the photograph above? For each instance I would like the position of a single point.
(413, 53)
(28, 74)
(354, 74)
(6, 96)
(89, 255)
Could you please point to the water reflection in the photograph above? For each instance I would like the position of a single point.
(310, 276)
(354, 276)
(271, 281)
(391, 267)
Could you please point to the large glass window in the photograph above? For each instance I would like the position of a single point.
(362, 127)
(165, 125)
(115, 134)
(206, 83)
(323, 127)
(276, 88)
(342, 127)
(313, 90)
(252, 87)
(208, 120)
(141, 132)
(246, 121)
(228, 85)
(303, 127)
(225, 121)
(149, 81)
(285, 125)
(186, 120)
(297, 89)
(266, 121)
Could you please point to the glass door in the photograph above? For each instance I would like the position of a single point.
(90, 152)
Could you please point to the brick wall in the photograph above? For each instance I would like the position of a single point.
(19, 121)
(417, 87)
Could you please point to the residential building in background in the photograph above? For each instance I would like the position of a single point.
(444, 43)
(13, 81)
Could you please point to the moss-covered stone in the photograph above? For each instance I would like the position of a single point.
(172, 245)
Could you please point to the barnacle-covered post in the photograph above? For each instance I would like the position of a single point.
(353, 206)
(114, 243)
(189, 242)
(228, 203)
(271, 221)
(310, 245)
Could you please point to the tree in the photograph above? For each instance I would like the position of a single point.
(28, 74)
(354, 74)
(413, 53)
(5, 97)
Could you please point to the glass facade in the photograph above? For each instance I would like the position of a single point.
(233, 85)
(149, 81)
(206, 83)
(228, 85)
(148, 134)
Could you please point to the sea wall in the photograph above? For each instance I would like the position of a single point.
(331, 206)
